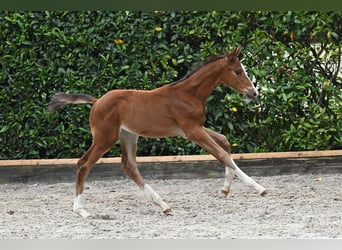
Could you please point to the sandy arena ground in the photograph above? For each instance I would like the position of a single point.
(297, 206)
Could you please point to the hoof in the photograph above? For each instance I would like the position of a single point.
(83, 213)
(224, 193)
(168, 212)
(263, 193)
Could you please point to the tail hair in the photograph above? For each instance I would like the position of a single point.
(62, 99)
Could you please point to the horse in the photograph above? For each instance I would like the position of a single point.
(174, 109)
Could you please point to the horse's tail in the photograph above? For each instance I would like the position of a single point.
(61, 99)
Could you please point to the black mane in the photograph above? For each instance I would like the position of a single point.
(197, 66)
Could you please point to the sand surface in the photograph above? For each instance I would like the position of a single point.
(297, 206)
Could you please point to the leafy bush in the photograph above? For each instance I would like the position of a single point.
(294, 58)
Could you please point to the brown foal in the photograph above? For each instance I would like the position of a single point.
(175, 109)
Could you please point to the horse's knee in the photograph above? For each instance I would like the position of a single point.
(82, 169)
(81, 165)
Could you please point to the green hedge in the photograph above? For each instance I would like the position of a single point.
(294, 58)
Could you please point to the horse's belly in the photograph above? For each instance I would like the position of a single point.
(153, 131)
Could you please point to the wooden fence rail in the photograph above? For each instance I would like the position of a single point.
(165, 167)
(177, 158)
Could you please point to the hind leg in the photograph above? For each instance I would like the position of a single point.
(100, 145)
(129, 166)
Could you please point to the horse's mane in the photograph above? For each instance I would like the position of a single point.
(197, 66)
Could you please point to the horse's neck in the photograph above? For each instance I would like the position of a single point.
(202, 83)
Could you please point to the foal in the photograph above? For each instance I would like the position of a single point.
(175, 109)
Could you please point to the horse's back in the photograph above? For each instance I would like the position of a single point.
(143, 112)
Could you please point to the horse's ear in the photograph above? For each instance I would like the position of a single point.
(237, 51)
(231, 56)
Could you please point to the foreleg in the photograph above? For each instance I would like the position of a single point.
(230, 172)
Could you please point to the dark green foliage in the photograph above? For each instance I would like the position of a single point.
(294, 57)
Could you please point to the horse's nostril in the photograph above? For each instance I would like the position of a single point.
(252, 93)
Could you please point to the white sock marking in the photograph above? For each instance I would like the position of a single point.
(248, 180)
(155, 198)
(78, 207)
(229, 174)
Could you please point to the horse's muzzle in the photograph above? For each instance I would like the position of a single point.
(251, 93)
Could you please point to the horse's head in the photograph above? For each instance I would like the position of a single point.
(234, 75)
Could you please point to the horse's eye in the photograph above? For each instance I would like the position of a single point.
(238, 71)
